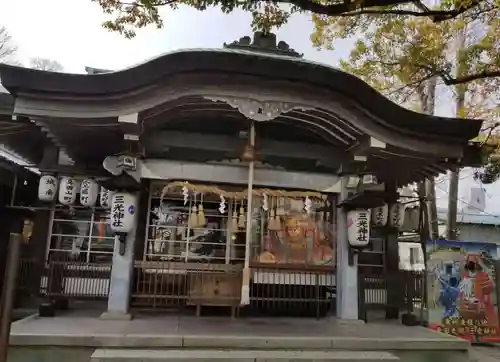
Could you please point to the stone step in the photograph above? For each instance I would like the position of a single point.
(212, 355)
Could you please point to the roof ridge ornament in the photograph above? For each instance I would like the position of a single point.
(257, 110)
(265, 43)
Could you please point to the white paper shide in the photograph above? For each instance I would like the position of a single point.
(67, 191)
(380, 215)
(123, 212)
(358, 228)
(47, 188)
(88, 193)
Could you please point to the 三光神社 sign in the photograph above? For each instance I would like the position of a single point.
(123, 212)
(358, 228)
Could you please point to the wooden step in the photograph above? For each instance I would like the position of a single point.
(212, 355)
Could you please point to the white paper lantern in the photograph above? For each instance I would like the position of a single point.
(89, 190)
(47, 188)
(67, 191)
(106, 196)
(379, 215)
(397, 215)
(358, 228)
(123, 212)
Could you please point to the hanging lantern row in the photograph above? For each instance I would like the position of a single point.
(360, 221)
(68, 189)
(393, 215)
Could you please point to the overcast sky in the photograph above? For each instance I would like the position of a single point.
(70, 32)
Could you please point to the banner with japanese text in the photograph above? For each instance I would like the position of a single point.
(461, 289)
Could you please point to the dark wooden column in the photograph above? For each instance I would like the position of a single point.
(12, 222)
(395, 286)
(142, 220)
(42, 222)
(38, 247)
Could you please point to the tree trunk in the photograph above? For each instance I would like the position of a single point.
(427, 96)
(451, 220)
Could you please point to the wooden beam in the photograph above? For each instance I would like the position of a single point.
(162, 141)
(76, 170)
(365, 145)
(237, 174)
(131, 129)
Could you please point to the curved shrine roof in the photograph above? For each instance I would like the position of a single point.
(231, 62)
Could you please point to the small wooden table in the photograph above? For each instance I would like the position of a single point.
(214, 288)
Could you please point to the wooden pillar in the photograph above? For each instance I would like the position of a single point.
(8, 292)
(38, 247)
(122, 273)
(142, 220)
(394, 286)
(12, 222)
(42, 223)
(347, 273)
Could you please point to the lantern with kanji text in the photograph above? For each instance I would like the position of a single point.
(358, 228)
(397, 215)
(47, 188)
(105, 198)
(123, 212)
(67, 191)
(379, 215)
(88, 192)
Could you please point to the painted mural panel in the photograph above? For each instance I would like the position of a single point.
(302, 239)
(295, 236)
(462, 296)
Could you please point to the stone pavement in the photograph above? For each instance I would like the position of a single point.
(485, 353)
(88, 322)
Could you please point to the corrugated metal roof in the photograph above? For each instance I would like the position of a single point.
(464, 217)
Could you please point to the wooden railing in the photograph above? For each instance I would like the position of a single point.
(402, 290)
(273, 291)
(64, 277)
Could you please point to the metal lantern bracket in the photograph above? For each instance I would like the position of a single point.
(366, 199)
(122, 237)
(350, 255)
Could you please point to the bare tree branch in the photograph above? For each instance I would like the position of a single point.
(46, 64)
(7, 48)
